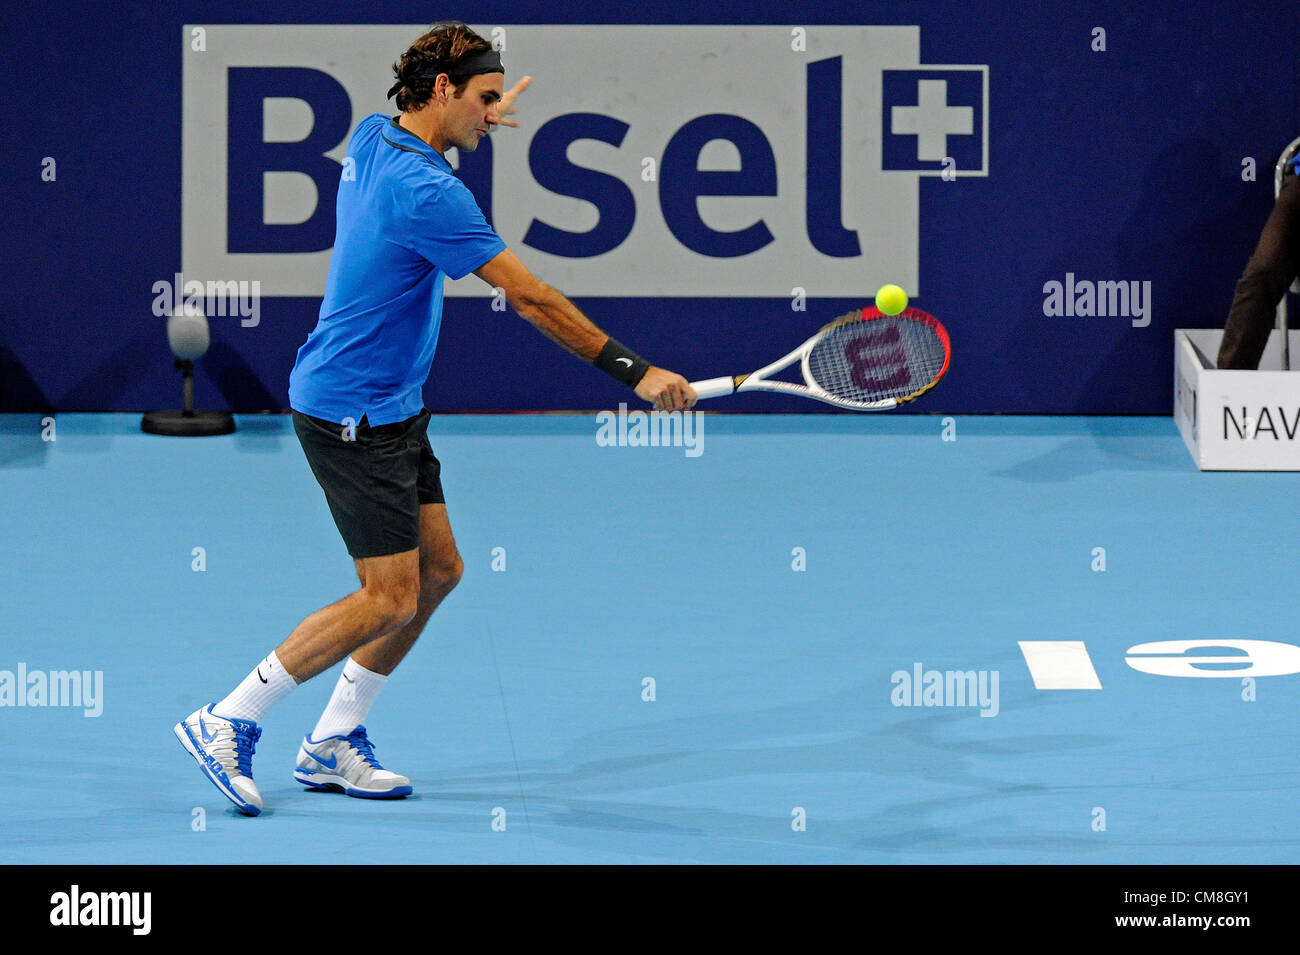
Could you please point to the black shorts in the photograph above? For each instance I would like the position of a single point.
(376, 483)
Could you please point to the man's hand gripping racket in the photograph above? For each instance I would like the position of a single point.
(864, 360)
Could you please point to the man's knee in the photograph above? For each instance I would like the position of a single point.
(395, 602)
(439, 577)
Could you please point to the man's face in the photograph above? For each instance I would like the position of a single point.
(474, 114)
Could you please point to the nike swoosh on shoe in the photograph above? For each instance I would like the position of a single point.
(332, 764)
(207, 737)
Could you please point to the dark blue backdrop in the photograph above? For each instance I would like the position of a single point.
(1117, 165)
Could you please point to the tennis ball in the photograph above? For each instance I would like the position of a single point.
(891, 300)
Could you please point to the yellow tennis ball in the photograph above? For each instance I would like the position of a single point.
(891, 300)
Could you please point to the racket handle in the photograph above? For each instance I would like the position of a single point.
(715, 387)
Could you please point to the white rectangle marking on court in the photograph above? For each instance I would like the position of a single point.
(1060, 665)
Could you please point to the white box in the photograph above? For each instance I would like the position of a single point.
(1236, 420)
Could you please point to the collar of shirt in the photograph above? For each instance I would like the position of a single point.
(405, 139)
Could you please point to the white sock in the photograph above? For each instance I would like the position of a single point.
(353, 696)
(261, 690)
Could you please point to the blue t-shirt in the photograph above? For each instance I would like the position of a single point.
(404, 221)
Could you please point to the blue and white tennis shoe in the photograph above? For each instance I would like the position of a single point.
(224, 751)
(347, 764)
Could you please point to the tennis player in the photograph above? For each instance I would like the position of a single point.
(404, 222)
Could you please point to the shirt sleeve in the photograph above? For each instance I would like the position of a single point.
(447, 228)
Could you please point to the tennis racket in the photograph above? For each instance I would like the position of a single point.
(865, 360)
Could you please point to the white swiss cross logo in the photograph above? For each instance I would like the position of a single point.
(932, 120)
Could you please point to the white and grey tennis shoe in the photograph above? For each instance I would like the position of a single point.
(347, 764)
(223, 748)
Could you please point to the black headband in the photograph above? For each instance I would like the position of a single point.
(485, 61)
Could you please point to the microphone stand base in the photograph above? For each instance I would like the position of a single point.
(189, 424)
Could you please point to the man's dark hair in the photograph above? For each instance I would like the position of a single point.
(437, 51)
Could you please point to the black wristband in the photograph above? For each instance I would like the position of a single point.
(622, 363)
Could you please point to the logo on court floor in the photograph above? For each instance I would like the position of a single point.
(650, 161)
(1067, 665)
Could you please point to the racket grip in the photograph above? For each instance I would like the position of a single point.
(715, 387)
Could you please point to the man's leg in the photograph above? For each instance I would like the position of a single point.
(369, 666)
(388, 600)
(440, 570)
(222, 736)
(376, 481)
(337, 754)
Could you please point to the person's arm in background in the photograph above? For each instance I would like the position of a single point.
(1271, 269)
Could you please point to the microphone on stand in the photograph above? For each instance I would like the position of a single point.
(187, 334)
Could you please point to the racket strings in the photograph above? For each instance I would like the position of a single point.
(878, 359)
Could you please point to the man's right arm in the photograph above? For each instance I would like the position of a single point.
(562, 321)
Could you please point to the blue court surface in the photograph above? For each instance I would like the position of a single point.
(522, 718)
